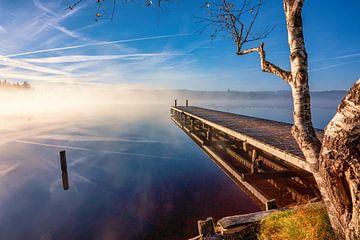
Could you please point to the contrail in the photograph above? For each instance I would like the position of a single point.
(96, 151)
(97, 44)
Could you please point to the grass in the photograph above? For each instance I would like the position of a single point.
(305, 223)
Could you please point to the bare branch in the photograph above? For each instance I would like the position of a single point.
(101, 13)
(225, 16)
(253, 20)
(267, 66)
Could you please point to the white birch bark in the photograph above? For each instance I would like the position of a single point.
(339, 168)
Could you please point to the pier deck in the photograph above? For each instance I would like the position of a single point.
(270, 136)
(259, 155)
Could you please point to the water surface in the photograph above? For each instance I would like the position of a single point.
(132, 173)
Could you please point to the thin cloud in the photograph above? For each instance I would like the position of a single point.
(86, 58)
(338, 57)
(5, 61)
(333, 66)
(92, 150)
(40, 6)
(97, 44)
(2, 29)
(36, 77)
(346, 56)
(66, 31)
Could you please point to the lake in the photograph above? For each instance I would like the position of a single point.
(133, 174)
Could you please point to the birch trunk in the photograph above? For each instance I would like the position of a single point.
(302, 130)
(337, 170)
(340, 166)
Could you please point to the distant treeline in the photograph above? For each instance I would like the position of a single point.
(4, 84)
(240, 95)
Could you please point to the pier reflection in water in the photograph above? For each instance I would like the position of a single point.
(269, 180)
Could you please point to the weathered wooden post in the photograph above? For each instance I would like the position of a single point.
(63, 161)
(175, 102)
(192, 123)
(64, 174)
(206, 228)
(271, 204)
(254, 164)
(187, 103)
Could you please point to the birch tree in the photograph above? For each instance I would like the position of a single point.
(335, 161)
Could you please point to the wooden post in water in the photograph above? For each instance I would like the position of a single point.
(175, 102)
(187, 103)
(63, 161)
(64, 174)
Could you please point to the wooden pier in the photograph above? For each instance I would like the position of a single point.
(260, 155)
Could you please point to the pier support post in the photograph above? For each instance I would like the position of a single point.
(245, 147)
(192, 123)
(254, 163)
(209, 135)
(187, 103)
(206, 228)
(271, 204)
(175, 103)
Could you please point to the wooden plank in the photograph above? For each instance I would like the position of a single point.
(273, 175)
(237, 220)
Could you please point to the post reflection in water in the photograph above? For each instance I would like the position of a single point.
(65, 180)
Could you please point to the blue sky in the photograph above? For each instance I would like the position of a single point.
(164, 49)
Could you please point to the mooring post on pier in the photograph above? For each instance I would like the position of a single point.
(175, 103)
(187, 103)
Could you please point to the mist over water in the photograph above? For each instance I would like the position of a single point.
(133, 174)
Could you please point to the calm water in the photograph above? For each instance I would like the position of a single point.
(133, 175)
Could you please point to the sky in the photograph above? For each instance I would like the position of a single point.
(49, 45)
